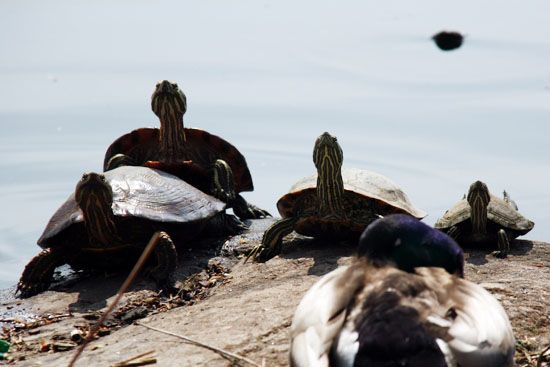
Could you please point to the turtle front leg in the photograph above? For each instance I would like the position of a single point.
(38, 273)
(166, 258)
(245, 210)
(225, 224)
(222, 185)
(119, 160)
(223, 188)
(503, 245)
(272, 241)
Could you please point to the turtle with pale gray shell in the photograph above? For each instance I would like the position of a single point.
(483, 219)
(109, 219)
(335, 202)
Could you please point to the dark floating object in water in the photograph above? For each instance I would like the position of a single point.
(447, 41)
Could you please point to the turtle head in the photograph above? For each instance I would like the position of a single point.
(94, 196)
(405, 242)
(93, 189)
(168, 101)
(328, 158)
(478, 198)
(478, 191)
(169, 104)
(327, 153)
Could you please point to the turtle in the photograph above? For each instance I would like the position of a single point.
(483, 219)
(334, 203)
(375, 312)
(110, 217)
(188, 153)
(447, 40)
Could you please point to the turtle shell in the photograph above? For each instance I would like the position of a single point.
(143, 193)
(498, 211)
(140, 143)
(366, 185)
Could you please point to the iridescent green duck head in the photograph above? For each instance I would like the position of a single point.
(170, 104)
(94, 196)
(407, 243)
(328, 158)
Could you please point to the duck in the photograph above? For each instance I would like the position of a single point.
(402, 302)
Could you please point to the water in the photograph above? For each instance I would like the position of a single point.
(270, 77)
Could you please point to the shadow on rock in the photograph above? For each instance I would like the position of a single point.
(521, 247)
(476, 256)
(95, 289)
(325, 253)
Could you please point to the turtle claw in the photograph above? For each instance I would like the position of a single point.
(261, 253)
(257, 213)
(272, 240)
(499, 254)
(245, 210)
(234, 225)
(166, 262)
(26, 290)
(38, 274)
(252, 254)
(168, 288)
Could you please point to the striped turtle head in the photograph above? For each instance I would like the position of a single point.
(93, 190)
(478, 197)
(94, 196)
(169, 104)
(407, 243)
(168, 101)
(478, 191)
(328, 158)
(327, 153)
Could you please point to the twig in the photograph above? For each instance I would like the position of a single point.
(137, 267)
(137, 360)
(136, 363)
(224, 353)
(41, 318)
(527, 356)
(541, 356)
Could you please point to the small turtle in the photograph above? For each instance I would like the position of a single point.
(110, 217)
(187, 153)
(481, 218)
(334, 202)
(373, 313)
(448, 41)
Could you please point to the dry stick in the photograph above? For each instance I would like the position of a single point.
(141, 362)
(139, 264)
(41, 318)
(222, 352)
(541, 356)
(138, 360)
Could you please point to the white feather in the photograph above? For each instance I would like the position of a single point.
(346, 347)
(482, 334)
(320, 317)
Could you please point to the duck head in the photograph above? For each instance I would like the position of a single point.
(407, 243)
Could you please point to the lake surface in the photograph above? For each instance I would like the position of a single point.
(270, 77)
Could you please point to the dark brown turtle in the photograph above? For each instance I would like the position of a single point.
(482, 219)
(185, 152)
(109, 219)
(448, 41)
(335, 202)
